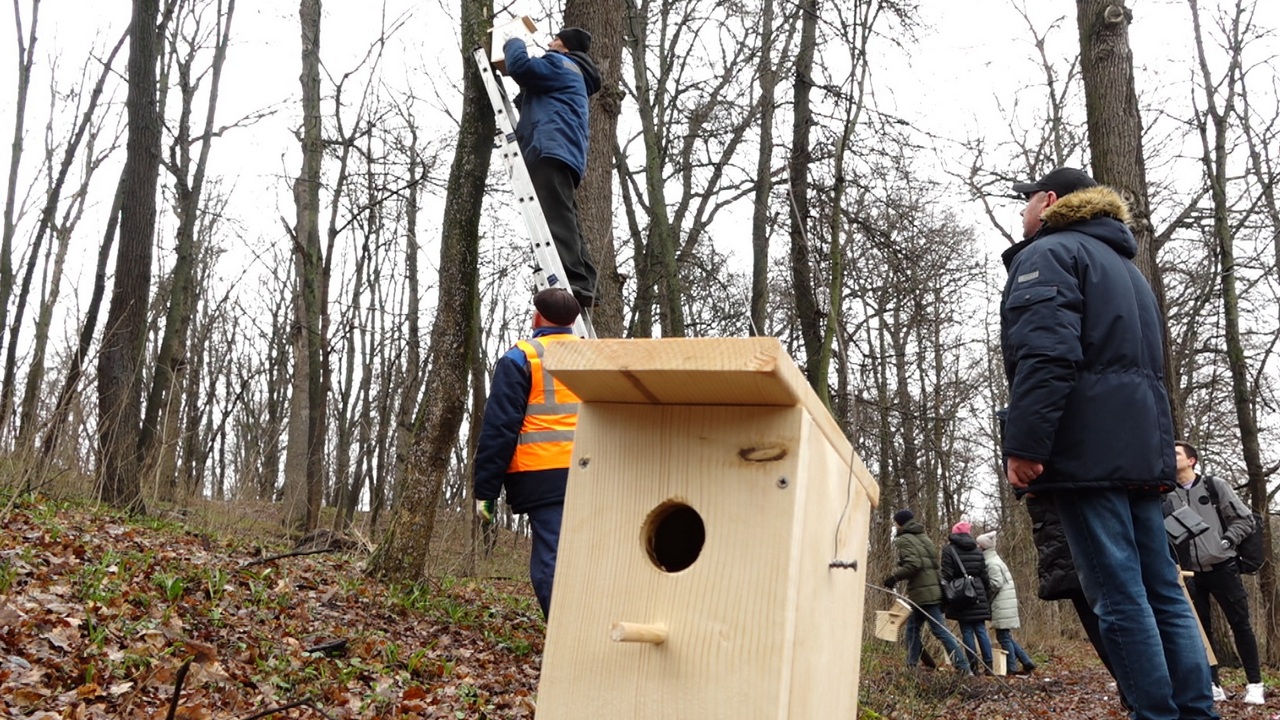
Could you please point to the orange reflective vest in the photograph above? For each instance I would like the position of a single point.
(546, 436)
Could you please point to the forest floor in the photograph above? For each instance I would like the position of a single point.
(105, 616)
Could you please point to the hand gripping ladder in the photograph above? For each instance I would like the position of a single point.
(547, 270)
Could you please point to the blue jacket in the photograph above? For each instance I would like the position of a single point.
(503, 416)
(553, 104)
(1082, 339)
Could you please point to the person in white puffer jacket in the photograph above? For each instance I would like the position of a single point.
(1004, 606)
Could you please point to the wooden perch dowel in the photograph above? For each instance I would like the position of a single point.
(654, 634)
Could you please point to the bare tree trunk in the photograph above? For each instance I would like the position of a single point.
(662, 262)
(345, 421)
(764, 177)
(807, 311)
(1213, 122)
(45, 229)
(123, 342)
(26, 58)
(1115, 142)
(188, 191)
(604, 20)
(278, 393)
(306, 418)
(62, 407)
(412, 381)
(1262, 166)
(35, 376)
(402, 554)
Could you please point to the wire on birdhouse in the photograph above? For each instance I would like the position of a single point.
(836, 563)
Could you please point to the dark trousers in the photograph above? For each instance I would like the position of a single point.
(553, 183)
(1223, 584)
(544, 522)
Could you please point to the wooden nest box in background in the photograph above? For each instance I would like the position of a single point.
(713, 553)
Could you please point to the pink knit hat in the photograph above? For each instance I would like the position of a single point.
(961, 528)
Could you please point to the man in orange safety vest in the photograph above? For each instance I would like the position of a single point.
(526, 439)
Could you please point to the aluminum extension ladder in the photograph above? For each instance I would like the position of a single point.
(547, 269)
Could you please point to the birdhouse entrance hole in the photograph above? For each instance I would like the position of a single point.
(673, 536)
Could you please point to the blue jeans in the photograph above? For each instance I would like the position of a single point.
(932, 616)
(1117, 540)
(544, 522)
(1015, 653)
(968, 630)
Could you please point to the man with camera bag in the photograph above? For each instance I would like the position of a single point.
(1209, 551)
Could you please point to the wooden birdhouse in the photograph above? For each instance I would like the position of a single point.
(520, 26)
(712, 559)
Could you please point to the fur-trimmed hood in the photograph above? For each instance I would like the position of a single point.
(1098, 212)
(1086, 204)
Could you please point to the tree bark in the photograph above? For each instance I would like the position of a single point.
(808, 314)
(26, 59)
(403, 551)
(764, 177)
(124, 338)
(304, 465)
(1115, 143)
(604, 20)
(1214, 122)
(662, 280)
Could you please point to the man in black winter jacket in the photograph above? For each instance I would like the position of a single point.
(1089, 428)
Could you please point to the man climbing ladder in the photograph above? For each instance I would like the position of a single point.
(552, 133)
(552, 138)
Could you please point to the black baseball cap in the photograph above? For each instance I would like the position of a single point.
(1062, 181)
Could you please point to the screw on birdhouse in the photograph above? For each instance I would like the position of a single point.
(783, 482)
(843, 564)
(583, 462)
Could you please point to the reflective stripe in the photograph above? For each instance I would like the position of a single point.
(552, 409)
(546, 436)
(548, 382)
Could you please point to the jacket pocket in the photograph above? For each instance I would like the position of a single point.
(1022, 297)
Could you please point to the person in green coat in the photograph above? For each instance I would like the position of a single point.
(918, 568)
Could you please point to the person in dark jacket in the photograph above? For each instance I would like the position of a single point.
(1089, 424)
(918, 568)
(526, 438)
(553, 133)
(961, 556)
(1211, 557)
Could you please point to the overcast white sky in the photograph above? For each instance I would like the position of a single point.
(969, 54)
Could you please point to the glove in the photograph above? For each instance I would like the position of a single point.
(1226, 545)
(890, 581)
(484, 508)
